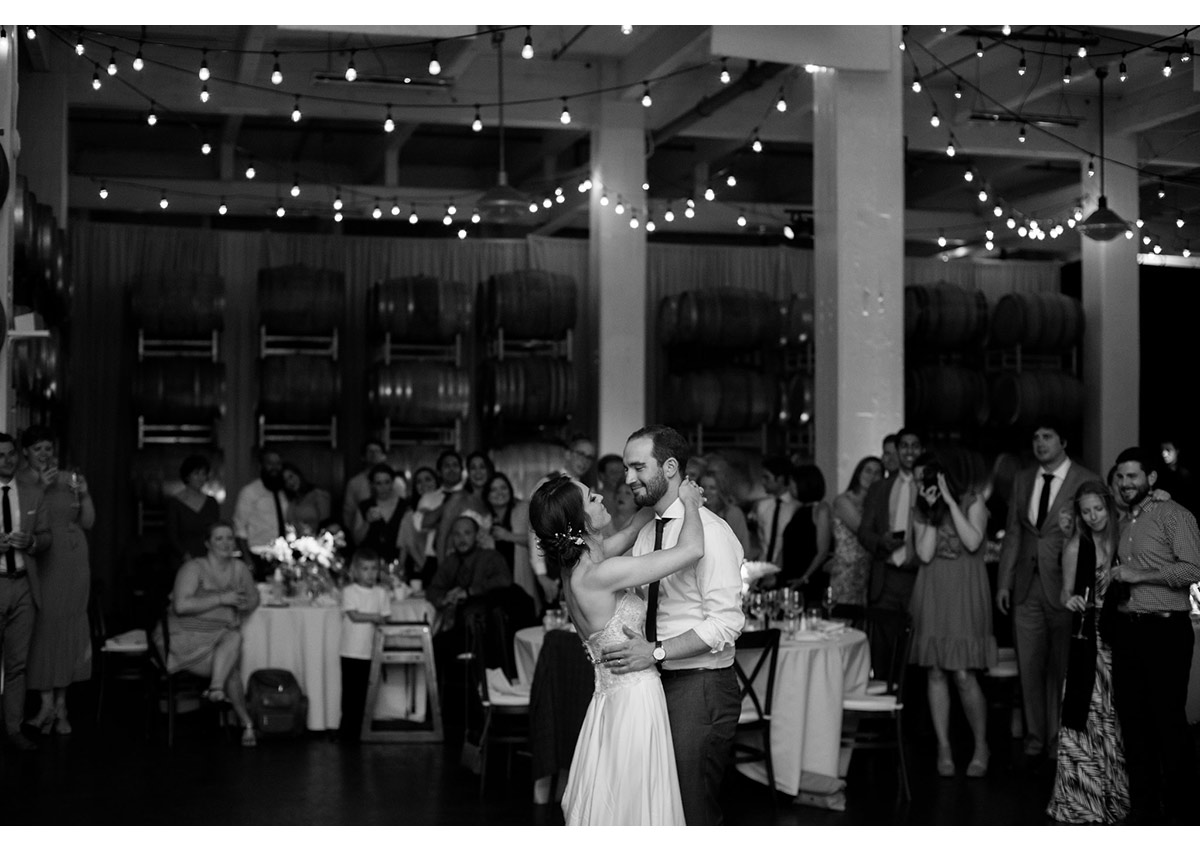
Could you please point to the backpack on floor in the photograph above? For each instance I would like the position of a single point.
(276, 704)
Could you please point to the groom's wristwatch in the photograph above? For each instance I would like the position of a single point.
(660, 652)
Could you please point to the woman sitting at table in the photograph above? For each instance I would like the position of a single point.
(308, 506)
(212, 597)
(1090, 786)
(380, 515)
(951, 602)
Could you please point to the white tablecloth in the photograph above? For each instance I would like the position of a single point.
(305, 639)
(527, 644)
(811, 678)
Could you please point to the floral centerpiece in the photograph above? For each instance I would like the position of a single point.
(306, 565)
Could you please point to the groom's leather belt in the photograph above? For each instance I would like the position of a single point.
(683, 672)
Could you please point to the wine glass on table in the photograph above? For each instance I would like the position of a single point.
(828, 603)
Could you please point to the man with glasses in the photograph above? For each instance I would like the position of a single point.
(579, 458)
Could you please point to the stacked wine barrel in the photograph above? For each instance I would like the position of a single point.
(1044, 328)
(179, 384)
(418, 323)
(531, 379)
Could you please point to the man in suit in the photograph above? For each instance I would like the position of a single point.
(23, 533)
(1030, 578)
(885, 533)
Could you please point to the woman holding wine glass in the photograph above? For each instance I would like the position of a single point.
(1090, 785)
(60, 652)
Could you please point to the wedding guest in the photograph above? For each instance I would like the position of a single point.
(213, 596)
(808, 536)
(850, 567)
(716, 501)
(951, 599)
(380, 515)
(308, 506)
(364, 604)
(624, 507)
(480, 470)
(261, 510)
(509, 529)
(417, 543)
(359, 486)
(610, 475)
(469, 572)
(891, 455)
(1090, 785)
(190, 513)
(60, 653)
(773, 512)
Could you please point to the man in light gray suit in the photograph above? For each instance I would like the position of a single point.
(1031, 579)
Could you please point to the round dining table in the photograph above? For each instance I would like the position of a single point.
(815, 670)
(304, 638)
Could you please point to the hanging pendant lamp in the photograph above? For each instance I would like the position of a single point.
(1103, 224)
(502, 203)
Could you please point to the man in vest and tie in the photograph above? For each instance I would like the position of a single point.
(258, 518)
(774, 512)
(24, 533)
(886, 533)
(1030, 579)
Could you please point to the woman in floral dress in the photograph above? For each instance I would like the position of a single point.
(851, 564)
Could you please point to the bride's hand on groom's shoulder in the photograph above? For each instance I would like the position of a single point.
(633, 654)
(691, 494)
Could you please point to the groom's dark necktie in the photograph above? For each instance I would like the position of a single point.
(652, 595)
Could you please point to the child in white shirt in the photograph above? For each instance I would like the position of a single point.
(364, 604)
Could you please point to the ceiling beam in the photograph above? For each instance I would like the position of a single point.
(660, 54)
(1167, 101)
(251, 41)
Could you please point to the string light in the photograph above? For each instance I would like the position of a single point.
(296, 187)
(280, 212)
(1011, 223)
(969, 175)
(1122, 71)
(1162, 190)
(223, 208)
(151, 116)
(650, 226)
(788, 232)
(138, 62)
(669, 215)
(1166, 72)
(983, 196)
(337, 202)
(741, 220)
(1006, 30)
(205, 147)
(1128, 234)
(730, 180)
(412, 217)
(462, 233)
(781, 103)
(633, 221)
(724, 78)
(997, 211)
(250, 172)
(1082, 52)
(337, 217)
(527, 48)
(941, 240)
(276, 72)
(96, 79)
(296, 110)
(620, 208)
(989, 233)
(935, 120)
(903, 32)
(603, 199)
(204, 93)
(1091, 168)
(31, 33)
(1140, 223)
(204, 73)
(979, 48)
(112, 63)
(646, 99)
(435, 67)
(1185, 55)
(1067, 72)
(477, 124)
(585, 184)
(1179, 222)
(1021, 66)
(626, 29)
(547, 203)
(958, 92)
(475, 217)
(951, 148)
(103, 191)
(532, 208)
(916, 83)
(162, 202)
(989, 245)
(709, 194)
(376, 213)
(395, 207)
(1077, 215)
(79, 45)
(565, 118)
(351, 71)
(1022, 231)
(388, 124)
(756, 145)
(1021, 134)
(1187, 251)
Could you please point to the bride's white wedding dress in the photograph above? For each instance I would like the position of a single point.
(623, 772)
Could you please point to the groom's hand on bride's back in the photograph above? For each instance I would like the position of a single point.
(633, 654)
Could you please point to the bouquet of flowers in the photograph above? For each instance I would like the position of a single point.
(306, 564)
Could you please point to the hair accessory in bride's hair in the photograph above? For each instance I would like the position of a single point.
(571, 536)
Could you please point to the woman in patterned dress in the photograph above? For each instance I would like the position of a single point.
(1091, 785)
(851, 564)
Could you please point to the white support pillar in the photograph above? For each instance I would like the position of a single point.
(618, 271)
(1111, 293)
(8, 139)
(858, 214)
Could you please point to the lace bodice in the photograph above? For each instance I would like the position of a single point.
(631, 612)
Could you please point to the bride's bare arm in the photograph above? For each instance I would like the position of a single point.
(619, 543)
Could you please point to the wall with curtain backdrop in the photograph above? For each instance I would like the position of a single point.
(101, 424)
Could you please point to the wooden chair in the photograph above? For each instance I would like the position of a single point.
(505, 721)
(408, 644)
(171, 689)
(873, 721)
(121, 658)
(756, 650)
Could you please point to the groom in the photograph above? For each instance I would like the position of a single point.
(693, 618)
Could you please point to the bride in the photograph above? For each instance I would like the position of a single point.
(623, 772)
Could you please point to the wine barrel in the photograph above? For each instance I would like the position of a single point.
(420, 392)
(420, 309)
(189, 307)
(944, 316)
(1020, 399)
(23, 202)
(180, 390)
(301, 301)
(533, 390)
(668, 320)
(728, 318)
(154, 469)
(725, 398)
(53, 299)
(1039, 322)
(946, 397)
(299, 388)
(797, 318)
(530, 304)
(35, 364)
(526, 464)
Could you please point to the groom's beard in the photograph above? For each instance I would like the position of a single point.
(654, 491)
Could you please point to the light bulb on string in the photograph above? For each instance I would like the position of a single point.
(1011, 223)
(276, 71)
(1166, 71)
(979, 48)
(1162, 190)
(204, 73)
(337, 217)
(903, 33)
(1022, 231)
(730, 180)
(547, 203)
(477, 124)
(788, 232)
(997, 211)
(296, 115)
(565, 117)
(951, 148)
(138, 61)
(689, 212)
(1128, 234)
(741, 220)
(103, 191)
(1077, 215)
(527, 47)
(388, 124)
(1021, 134)
(31, 33)
(151, 115)
(1122, 71)
(533, 207)
(1157, 248)
(96, 79)
(1146, 239)
(250, 172)
(989, 233)
(1006, 30)
(296, 187)
(989, 245)
(650, 226)
(935, 120)
(781, 103)
(603, 199)
(462, 233)
(1082, 52)
(412, 216)
(1071, 222)
(958, 92)
(982, 196)
(724, 77)
(337, 201)
(280, 212)
(626, 29)
(205, 147)
(435, 67)
(222, 208)
(1022, 67)
(79, 46)
(204, 93)
(451, 209)
(969, 175)
(351, 71)
(756, 145)
(112, 64)
(1066, 78)
(709, 194)
(941, 240)
(633, 222)
(585, 184)
(560, 198)
(1140, 223)
(1187, 251)
(647, 101)
(669, 215)
(162, 202)
(376, 212)
(620, 208)
(1185, 55)
(475, 217)
(916, 83)
(1179, 222)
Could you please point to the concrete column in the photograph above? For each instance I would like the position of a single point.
(858, 213)
(618, 271)
(1111, 349)
(8, 139)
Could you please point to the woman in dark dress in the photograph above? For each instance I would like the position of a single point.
(190, 514)
(308, 506)
(380, 515)
(808, 536)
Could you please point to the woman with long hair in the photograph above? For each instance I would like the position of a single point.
(850, 566)
(808, 535)
(623, 771)
(1090, 785)
(951, 603)
(308, 506)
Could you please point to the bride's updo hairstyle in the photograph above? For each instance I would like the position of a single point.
(557, 516)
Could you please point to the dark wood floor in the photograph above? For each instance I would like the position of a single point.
(116, 775)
